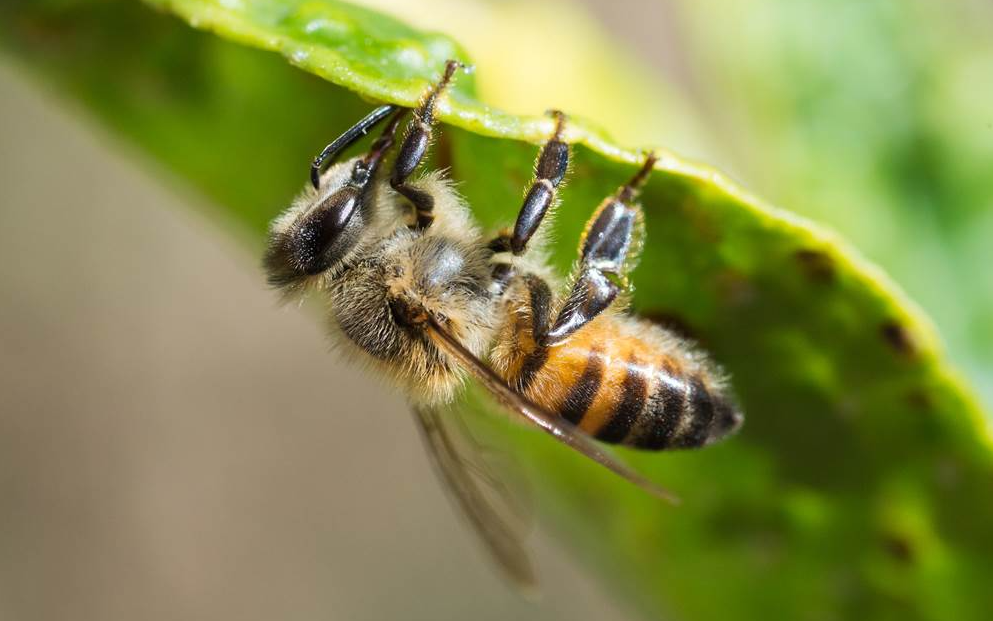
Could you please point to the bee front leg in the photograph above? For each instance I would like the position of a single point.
(609, 250)
(414, 147)
(350, 137)
(550, 169)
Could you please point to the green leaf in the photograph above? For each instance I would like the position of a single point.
(890, 141)
(860, 485)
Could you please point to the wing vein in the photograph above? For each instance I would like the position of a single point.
(500, 539)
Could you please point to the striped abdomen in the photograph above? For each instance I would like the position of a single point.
(623, 381)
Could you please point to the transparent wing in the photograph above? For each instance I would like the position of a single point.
(557, 427)
(483, 498)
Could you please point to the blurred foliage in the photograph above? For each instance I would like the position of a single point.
(586, 79)
(875, 116)
(860, 487)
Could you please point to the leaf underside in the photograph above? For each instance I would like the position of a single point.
(860, 484)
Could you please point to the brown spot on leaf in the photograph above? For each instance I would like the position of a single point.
(899, 548)
(899, 338)
(816, 265)
(919, 399)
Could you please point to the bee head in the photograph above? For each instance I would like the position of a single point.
(322, 227)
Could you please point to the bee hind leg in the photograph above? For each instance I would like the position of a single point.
(414, 147)
(608, 251)
(549, 170)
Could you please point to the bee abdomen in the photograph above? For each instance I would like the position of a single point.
(683, 413)
(630, 407)
(623, 389)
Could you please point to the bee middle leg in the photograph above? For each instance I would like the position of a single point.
(414, 147)
(550, 169)
(608, 251)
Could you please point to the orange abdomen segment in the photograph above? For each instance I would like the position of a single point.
(614, 380)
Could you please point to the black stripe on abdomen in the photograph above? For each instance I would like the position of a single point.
(532, 363)
(634, 393)
(584, 391)
(701, 413)
(666, 410)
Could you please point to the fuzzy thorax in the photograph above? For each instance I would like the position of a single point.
(443, 270)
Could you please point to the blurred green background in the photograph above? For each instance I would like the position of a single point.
(138, 485)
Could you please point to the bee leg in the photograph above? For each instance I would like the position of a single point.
(549, 170)
(350, 137)
(365, 169)
(609, 250)
(415, 146)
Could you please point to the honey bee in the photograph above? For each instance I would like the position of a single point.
(417, 291)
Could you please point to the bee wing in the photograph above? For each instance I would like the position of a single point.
(469, 482)
(562, 430)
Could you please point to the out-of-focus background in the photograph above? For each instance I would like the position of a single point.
(168, 445)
